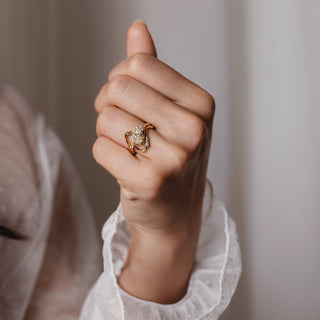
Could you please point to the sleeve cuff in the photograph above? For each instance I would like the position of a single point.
(212, 283)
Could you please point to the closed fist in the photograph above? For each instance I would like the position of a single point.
(161, 189)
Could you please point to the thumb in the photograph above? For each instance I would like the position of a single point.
(139, 39)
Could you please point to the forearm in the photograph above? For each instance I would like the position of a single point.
(158, 267)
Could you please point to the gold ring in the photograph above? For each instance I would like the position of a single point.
(137, 139)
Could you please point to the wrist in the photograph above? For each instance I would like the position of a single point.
(159, 264)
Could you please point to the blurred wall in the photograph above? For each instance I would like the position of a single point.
(260, 61)
(29, 50)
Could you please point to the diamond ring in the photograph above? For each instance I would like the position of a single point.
(137, 139)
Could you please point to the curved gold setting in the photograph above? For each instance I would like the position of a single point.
(137, 139)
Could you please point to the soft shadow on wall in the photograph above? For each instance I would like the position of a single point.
(237, 105)
(52, 53)
(88, 41)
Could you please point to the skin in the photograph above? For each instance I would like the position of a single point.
(161, 191)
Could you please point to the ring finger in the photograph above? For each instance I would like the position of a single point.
(113, 122)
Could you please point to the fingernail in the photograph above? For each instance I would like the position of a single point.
(139, 20)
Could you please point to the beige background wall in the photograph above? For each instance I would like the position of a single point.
(260, 61)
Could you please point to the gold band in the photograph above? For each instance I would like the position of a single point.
(137, 139)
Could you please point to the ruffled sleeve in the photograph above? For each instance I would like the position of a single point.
(212, 284)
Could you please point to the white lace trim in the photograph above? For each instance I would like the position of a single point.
(212, 283)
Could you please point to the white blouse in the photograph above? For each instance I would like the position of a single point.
(212, 283)
(49, 266)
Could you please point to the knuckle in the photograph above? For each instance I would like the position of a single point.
(103, 116)
(97, 149)
(100, 100)
(178, 158)
(118, 82)
(121, 85)
(106, 115)
(100, 119)
(112, 73)
(198, 131)
(140, 61)
(209, 105)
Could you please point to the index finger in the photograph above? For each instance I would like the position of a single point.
(167, 81)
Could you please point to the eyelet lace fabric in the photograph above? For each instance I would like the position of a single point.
(47, 235)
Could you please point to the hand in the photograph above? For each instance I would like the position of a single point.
(162, 189)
